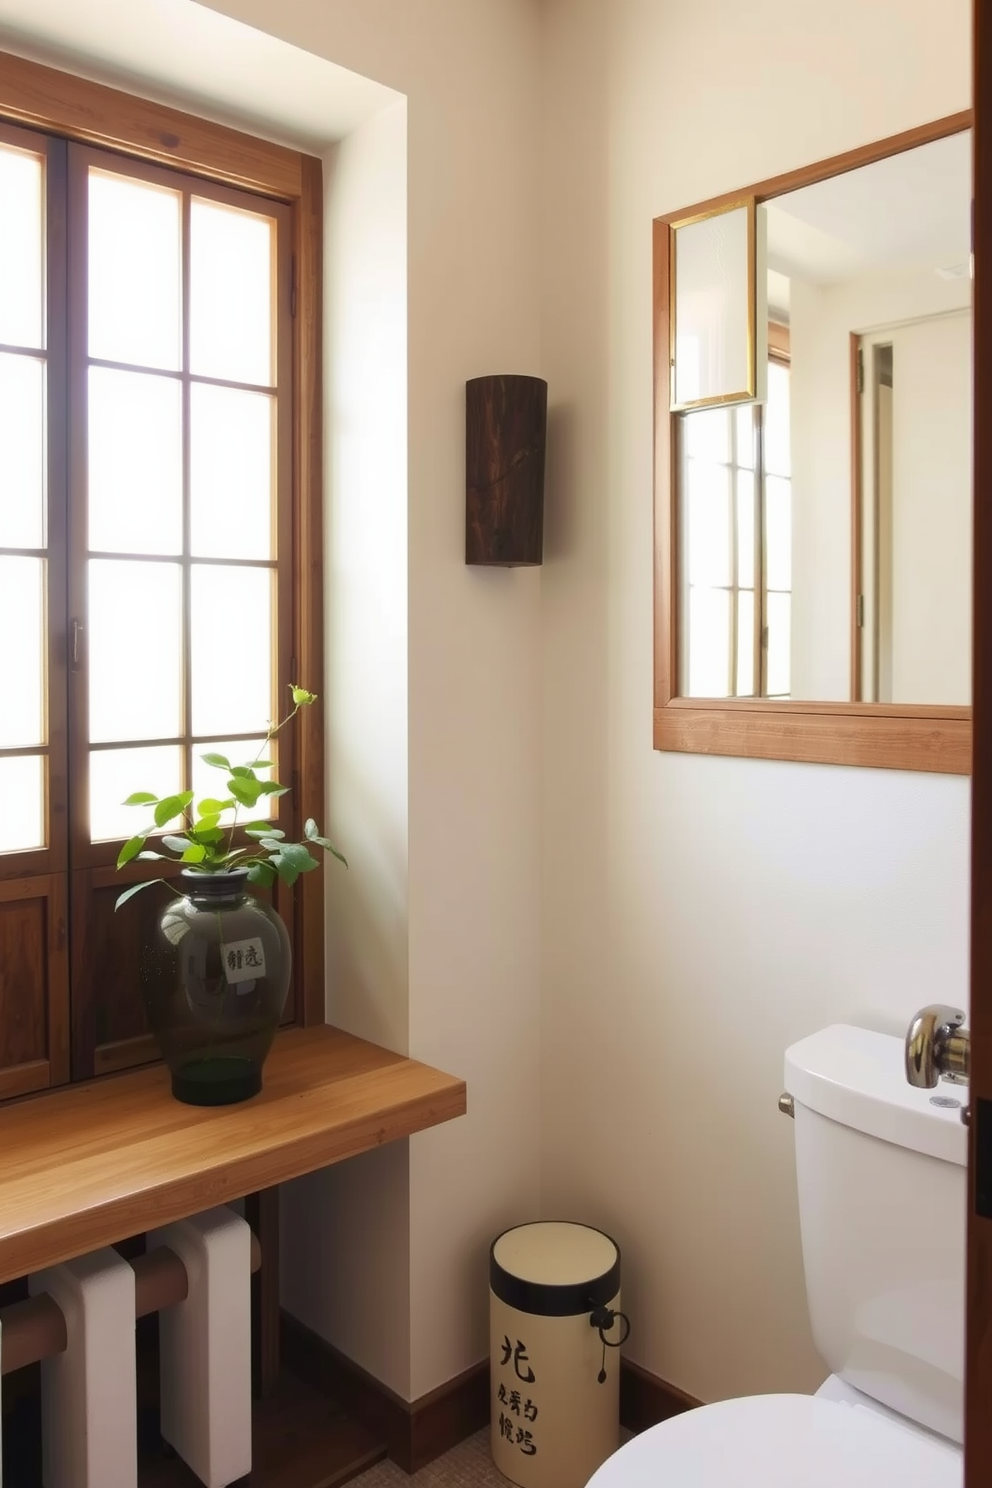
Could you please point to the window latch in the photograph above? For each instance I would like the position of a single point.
(76, 645)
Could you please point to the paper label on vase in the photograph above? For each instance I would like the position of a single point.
(244, 960)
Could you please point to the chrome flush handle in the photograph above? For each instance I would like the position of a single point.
(937, 1044)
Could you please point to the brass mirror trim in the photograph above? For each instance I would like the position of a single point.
(748, 205)
(886, 735)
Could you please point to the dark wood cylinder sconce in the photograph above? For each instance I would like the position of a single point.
(505, 425)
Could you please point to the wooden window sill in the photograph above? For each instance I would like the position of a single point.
(91, 1164)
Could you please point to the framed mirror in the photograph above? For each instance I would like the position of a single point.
(813, 546)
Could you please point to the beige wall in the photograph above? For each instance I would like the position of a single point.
(700, 914)
(438, 927)
(822, 318)
(931, 503)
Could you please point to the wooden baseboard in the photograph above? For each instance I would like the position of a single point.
(414, 1433)
(645, 1399)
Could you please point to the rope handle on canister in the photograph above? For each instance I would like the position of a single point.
(603, 1319)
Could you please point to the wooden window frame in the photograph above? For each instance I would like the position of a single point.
(885, 735)
(778, 351)
(51, 102)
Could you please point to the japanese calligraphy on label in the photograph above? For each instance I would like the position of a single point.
(519, 1408)
(244, 960)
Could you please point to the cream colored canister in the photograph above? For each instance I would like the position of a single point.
(555, 1324)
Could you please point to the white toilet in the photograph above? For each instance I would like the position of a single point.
(882, 1204)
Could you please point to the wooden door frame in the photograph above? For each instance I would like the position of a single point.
(978, 1382)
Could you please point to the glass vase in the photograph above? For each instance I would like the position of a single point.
(214, 983)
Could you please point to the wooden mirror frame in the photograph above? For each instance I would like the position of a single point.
(894, 736)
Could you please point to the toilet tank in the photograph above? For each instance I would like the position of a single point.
(881, 1170)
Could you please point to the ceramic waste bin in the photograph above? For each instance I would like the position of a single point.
(555, 1330)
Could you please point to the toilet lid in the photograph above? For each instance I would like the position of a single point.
(781, 1441)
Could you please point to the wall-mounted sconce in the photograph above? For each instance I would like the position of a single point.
(505, 426)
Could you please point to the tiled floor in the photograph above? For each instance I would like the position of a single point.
(469, 1465)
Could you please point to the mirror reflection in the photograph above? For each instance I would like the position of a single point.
(825, 533)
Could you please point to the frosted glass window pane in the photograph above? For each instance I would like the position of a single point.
(231, 650)
(135, 662)
(778, 533)
(707, 499)
(709, 643)
(22, 452)
(22, 251)
(744, 419)
(745, 643)
(778, 454)
(22, 652)
(779, 615)
(210, 782)
(745, 529)
(706, 435)
(135, 236)
(116, 774)
(232, 449)
(711, 307)
(135, 462)
(22, 791)
(231, 294)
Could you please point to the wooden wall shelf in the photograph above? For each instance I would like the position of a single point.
(91, 1164)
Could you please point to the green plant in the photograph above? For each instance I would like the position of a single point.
(204, 846)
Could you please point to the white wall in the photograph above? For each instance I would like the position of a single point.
(821, 319)
(702, 913)
(345, 1255)
(931, 502)
(439, 924)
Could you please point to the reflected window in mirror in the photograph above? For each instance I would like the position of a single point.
(735, 482)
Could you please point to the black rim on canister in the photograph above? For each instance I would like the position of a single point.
(548, 1299)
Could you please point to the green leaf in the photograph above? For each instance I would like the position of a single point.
(209, 807)
(207, 834)
(301, 697)
(140, 798)
(217, 760)
(204, 824)
(298, 856)
(258, 765)
(263, 830)
(243, 772)
(272, 844)
(245, 791)
(262, 873)
(132, 847)
(150, 856)
(134, 889)
(171, 806)
(195, 853)
(258, 826)
(176, 844)
(272, 788)
(286, 871)
(313, 835)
